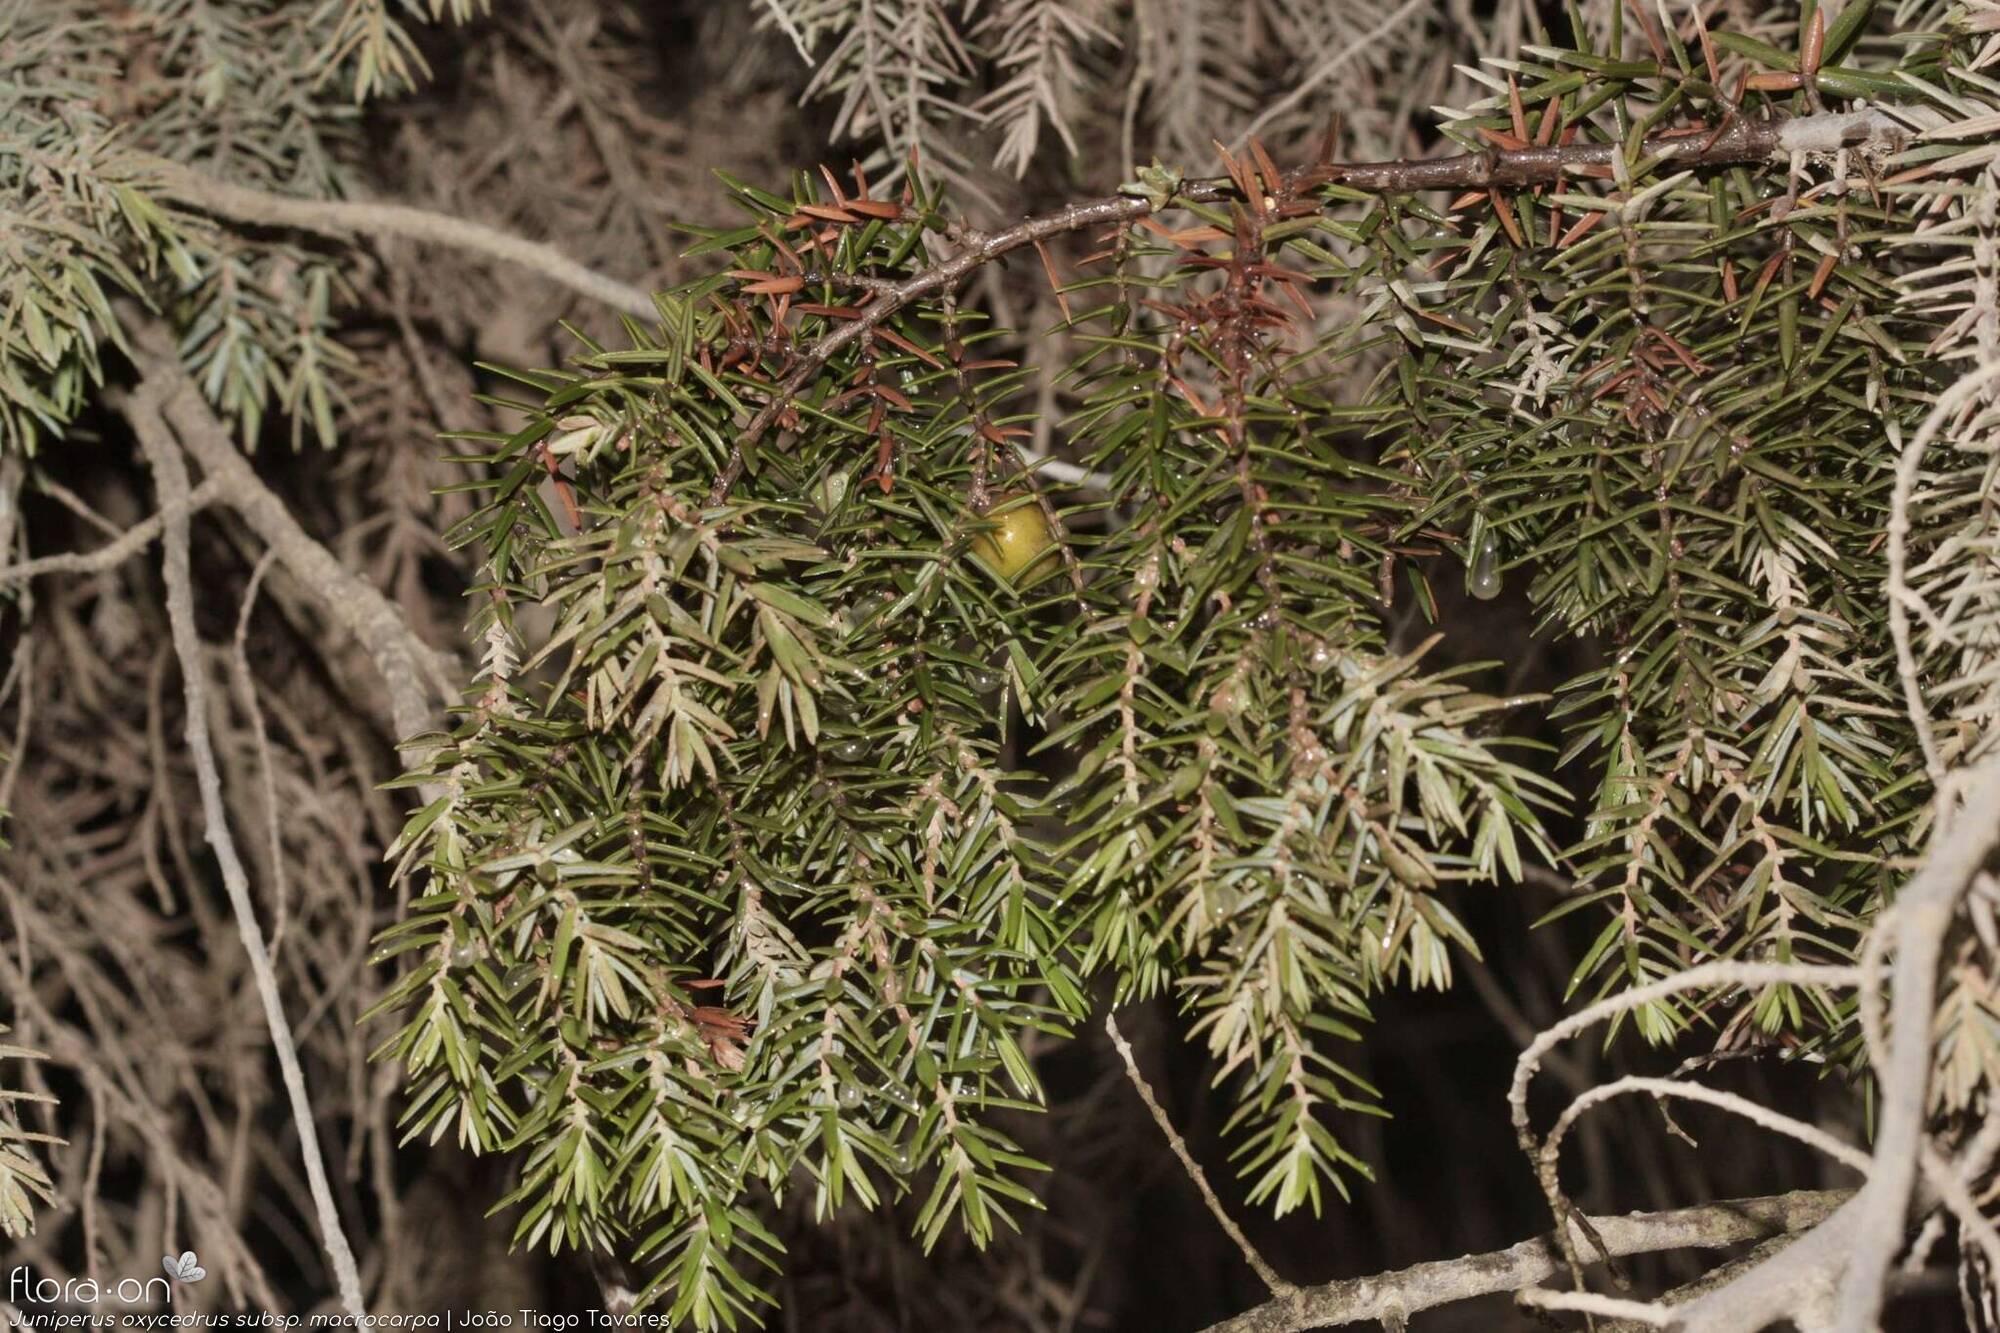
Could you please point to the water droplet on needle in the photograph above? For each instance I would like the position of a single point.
(1485, 580)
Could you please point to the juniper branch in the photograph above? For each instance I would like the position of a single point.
(1742, 142)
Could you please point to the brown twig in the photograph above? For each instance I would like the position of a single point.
(1279, 1288)
(976, 250)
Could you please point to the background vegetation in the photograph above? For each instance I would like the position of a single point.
(1345, 619)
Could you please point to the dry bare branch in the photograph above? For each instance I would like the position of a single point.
(413, 672)
(145, 409)
(332, 217)
(1425, 1286)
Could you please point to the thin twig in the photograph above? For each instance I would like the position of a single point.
(1952, 1189)
(13, 473)
(1589, 1302)
(977, 249)
(75, 503)
(1715, 1277)
(143, 408)
(1695, 978)
(246, 684)
(1745, 141)
(1810, 1135)
(1277, 1285)
(116, 552)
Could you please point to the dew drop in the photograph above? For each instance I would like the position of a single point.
(832, 491)
(1321, 657)
(850, 1096)
(852, 750)
(1485, 581)
(867, 609)
(464, 955)
(985, 680)
(905, 1159)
